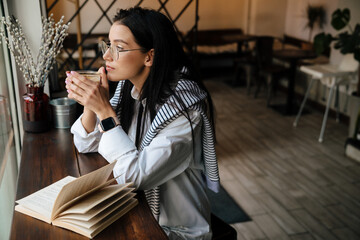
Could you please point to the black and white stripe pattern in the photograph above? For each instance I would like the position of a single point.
(193, 98)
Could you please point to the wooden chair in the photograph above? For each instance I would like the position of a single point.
(247, 63)
(268, 72)
(221, 230)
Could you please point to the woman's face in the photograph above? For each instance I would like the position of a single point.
(129, 65)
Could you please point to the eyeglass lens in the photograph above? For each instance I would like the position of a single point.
(113, 50)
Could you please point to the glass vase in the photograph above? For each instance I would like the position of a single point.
(36, 110)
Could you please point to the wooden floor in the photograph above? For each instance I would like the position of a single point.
(292, 186)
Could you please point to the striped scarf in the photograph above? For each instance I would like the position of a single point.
(194, 99)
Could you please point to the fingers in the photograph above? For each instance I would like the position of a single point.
(78, 79)
(79, 84)
(104, 81)
(82, 89)
(72, 94)
(74, 85)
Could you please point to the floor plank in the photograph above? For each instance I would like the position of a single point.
(319, 193)
(346, 200)
(346, 234)
(271, 229)
(305, 236)
(291, 186)
(243, 198)
(249, 183)
(288, 202)
(280, 214)
(250, 230)
(319, 212)
(347, 216)
(313, 226)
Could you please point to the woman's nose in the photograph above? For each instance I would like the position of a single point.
(107, 56)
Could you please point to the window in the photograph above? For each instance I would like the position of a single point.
(9, 137)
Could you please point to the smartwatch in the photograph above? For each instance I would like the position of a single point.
(108, 123)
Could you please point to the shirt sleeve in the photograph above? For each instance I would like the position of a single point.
(168, 154)
(83, 141)
(89, 142)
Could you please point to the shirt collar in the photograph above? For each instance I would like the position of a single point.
(136, 95)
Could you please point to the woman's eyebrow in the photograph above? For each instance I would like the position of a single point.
(120, 41)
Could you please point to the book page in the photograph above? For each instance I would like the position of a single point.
(43, 200)
(33, 214)
(80, 198)
(96, 229)
(94, 199)
(113, 217)
(80, 186)
(88, 223)
(122, 203)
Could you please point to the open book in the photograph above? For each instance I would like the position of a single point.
(85, 205)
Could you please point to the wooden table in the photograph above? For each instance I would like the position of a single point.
(51, 156)
(240, 39)
(243, 54)
(292, 56)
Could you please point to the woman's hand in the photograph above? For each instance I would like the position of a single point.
(94, 96)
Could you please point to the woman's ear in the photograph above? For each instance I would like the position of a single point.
(149, 58)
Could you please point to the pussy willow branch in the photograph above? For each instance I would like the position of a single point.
(52, 37)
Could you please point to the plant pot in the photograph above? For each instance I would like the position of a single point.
(36, 110)
(352, 149)
(354, 108)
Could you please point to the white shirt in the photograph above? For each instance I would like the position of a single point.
(171, 161)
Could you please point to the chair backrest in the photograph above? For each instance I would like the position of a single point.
(348, 63)
(264, 50)
(211, 37)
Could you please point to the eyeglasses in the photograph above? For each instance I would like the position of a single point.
(114, 50)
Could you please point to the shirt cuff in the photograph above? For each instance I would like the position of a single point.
(78, 128)
(115, 143)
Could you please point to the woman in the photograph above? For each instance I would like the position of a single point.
(156, 125)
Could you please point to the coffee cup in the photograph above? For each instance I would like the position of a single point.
(91, 75)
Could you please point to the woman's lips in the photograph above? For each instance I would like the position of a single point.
(108, 68)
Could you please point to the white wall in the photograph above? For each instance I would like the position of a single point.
(28, 13)
(90, 13)
(213, 14)
(296, 18)
(354, 6)
(262, 17)
(267, 17)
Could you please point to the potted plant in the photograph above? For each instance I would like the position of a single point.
(36, 102)
(315, 15)
(347, 41)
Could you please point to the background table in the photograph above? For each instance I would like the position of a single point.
(292, 56)
(240, 39)
(51, 156)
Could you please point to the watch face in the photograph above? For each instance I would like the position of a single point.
(108, 124)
